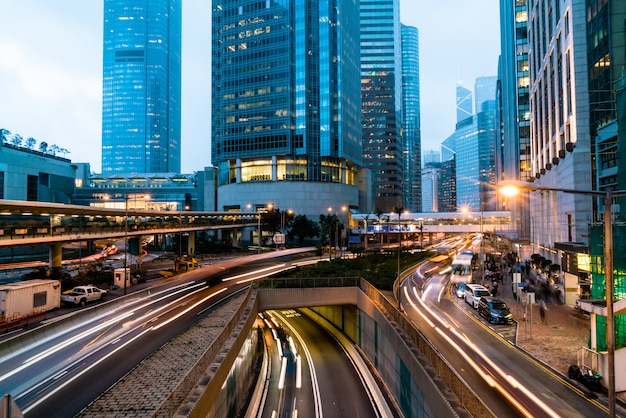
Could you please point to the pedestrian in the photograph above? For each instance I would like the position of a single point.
(494, 289)
(542, 311)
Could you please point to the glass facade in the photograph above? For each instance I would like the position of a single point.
(411, 122)
(513, 151)
(381, 84)
(141, 86)
(474, 157)
(285, 91)
(464, 104)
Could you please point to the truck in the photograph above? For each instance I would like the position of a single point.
(27, 300)
(80, 295)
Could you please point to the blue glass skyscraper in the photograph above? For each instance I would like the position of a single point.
(411, 133)
(286, 123)
(381, 80)
(141, 90)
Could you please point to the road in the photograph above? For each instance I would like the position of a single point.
(318, 378)
(508, 380)
(58, 375)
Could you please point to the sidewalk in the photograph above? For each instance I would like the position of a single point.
(554, 342)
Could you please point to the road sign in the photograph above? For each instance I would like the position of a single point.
(279, 238)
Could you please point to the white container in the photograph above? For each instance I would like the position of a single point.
(28, 298)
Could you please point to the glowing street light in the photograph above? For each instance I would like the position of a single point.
(513, 188)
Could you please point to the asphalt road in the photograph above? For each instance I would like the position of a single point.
(510, 381)
(330, 385)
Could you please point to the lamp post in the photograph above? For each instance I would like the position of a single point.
(512, 188)
(482, 247)
(259, 232)
(399, 244)
(125, 240)
(180, 232)
(330, 253)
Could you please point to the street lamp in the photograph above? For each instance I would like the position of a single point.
(513, 188)
(180, 232)
(258, 218)
(125, 240)
(344, 232)
(330, 253)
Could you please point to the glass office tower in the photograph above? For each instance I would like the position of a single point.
(513, 158)
(381, 74)
(141, 90)
(412, 121)
(286, 123)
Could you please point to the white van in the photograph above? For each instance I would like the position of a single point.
(473, 293)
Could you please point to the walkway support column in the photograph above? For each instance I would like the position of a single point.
(55, 255)
(191, 242)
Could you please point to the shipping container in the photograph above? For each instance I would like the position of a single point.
(22, 300)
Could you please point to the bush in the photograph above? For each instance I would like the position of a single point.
(378, 269)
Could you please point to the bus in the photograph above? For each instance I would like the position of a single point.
(462, 268)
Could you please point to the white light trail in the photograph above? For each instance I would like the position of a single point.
(489, 379)
(42, 355)
(173, 318)
(239, 276)
(283, 372)
(83, 371)
(298, 372)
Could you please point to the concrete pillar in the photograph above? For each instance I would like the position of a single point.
(56, 255)
(191, 243)
(238, 170)
(274, 168)
(594, 342)
(140, 255)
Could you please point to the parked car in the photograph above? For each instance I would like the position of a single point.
(494, 310)
(460, 289)
(473, 293)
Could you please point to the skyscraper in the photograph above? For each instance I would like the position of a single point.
(513, 158)
(381, 74)
(286, 122)
(141, 90)
(411, 120)
(463, 103)
(561, 146)
(484, 91)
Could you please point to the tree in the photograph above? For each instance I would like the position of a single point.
(271, 220)
(30, 143)
(16, 140)
(4, 135)
(329, 224)
(43, 147)
(302, 227)
(53, 149)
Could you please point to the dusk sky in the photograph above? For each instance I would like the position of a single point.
(51, 70)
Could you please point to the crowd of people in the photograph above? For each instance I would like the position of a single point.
(508, 264)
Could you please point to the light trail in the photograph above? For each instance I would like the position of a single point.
(83, 371)
(489, 375)
(56, 348)
(314, 383)
(173, 318)
(251, 273)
